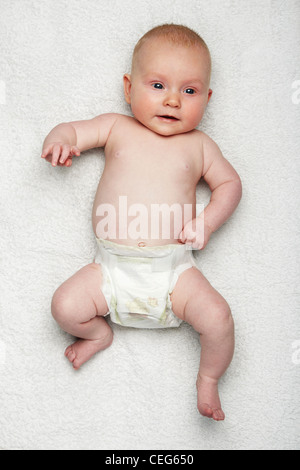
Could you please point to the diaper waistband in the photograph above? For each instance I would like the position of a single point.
(141, 252)
(160, 258)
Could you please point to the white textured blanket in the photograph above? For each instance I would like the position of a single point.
(62, 60)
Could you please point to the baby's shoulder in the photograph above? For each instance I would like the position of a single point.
(202, 137)
(120, 121)
(108, 124)
(117, 117)
(112, 118)
(209, 146)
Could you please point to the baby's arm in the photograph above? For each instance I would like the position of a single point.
(226, 188)
(224, 183)
(69, 139)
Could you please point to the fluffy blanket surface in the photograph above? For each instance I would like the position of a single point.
(63, 60)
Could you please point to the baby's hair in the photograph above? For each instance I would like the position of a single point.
(178, 35)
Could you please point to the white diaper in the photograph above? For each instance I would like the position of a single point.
(138, 282)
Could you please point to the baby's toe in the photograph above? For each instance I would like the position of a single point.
(218, 415)
(205, 410)
(70, 354)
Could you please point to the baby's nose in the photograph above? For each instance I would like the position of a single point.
(173, 100)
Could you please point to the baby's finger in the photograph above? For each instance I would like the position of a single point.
(68, 162)
(46, 151)
(182, 237)
(189, 239)
(55, 154)
(64, 154)
(75, 151)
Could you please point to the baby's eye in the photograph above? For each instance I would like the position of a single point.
(157, 86)
(189, 91)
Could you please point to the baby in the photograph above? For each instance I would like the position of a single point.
(144, 214)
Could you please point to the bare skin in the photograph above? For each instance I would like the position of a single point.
(153, 159)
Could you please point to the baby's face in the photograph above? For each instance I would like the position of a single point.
(169, 88)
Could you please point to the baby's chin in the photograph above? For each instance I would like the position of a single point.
(169, 133)
(166, 129)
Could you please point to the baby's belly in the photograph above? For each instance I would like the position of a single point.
(141, 220)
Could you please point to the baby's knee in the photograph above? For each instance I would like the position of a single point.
(61, 306)
(224, 318)
(222, 312)
(213, 317)
(221, 321)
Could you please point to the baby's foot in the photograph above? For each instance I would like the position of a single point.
(209, 404)
(81, 351)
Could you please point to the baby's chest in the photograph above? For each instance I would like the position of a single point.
(171, 164)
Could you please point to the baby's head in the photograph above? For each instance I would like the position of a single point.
(178, 35)
(168, 88)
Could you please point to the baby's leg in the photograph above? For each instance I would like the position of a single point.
(78, 306)
(198, 303)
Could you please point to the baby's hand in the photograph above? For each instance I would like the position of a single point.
(60, 154)
(196, 234)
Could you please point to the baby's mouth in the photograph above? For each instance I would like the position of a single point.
(168, 118)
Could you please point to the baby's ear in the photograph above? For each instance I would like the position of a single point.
(127, 87)
(210, 92)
